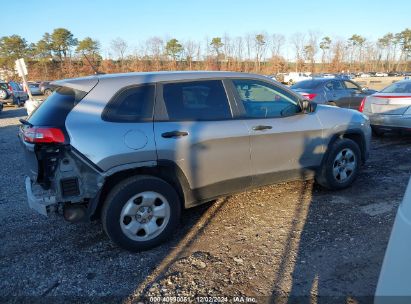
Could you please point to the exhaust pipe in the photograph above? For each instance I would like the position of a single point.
(73, 213)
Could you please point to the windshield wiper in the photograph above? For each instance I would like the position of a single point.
(25, 122)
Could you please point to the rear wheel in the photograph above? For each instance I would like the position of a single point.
(141, 212)
(341, 165)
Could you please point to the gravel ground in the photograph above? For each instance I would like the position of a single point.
(284, 243)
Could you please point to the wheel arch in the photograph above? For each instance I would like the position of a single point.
(356, 136)
(165, 169)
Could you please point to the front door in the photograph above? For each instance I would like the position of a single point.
(354, 94)
(284, 141)
(336, 93)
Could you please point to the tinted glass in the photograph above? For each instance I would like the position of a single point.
(306, 84)
(262, 100)
(134, 104)
(53, 111)
(399, 87)
(199, 100)
(334, 85)
(351, 86)
(4, 85)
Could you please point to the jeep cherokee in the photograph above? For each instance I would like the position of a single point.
(135, 149)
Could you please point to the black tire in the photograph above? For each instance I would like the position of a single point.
(121, 194)
(378, 133)
(47, 92)
(325, 176)
(17, 103)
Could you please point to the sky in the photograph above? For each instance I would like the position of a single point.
(135, 21)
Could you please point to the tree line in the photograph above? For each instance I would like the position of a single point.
(59, 54)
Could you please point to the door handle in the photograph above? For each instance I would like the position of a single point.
(261, 128)
(173, 134)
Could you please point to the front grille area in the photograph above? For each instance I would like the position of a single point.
(69, 187)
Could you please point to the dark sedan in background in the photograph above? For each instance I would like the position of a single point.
(46, 88)
(343, 93)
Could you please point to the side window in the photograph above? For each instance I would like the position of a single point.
(132, 104)
(337, 85)
(262, 100)
(197, 100)
(351, 86)
(329, 86)
(334, 85)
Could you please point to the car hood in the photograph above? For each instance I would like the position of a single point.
(338, 120)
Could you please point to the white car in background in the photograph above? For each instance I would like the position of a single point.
(381, 74)
(31, 105)
(294, 77)
(389, 109)
(394, 282)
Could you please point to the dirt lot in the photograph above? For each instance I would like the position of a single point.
(377, 83)
(282, 243)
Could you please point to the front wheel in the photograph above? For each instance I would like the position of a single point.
(341, 165)
(141, 212)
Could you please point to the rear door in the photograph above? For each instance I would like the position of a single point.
(336, 93)
(195, 128)
(354, 94)
(284, 141)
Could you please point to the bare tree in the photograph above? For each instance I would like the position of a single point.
(276, 43)
(155, 47)
(298, 42)
(119, 47)
(238, 46)
(190, 49)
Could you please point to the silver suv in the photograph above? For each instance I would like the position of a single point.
(135, 149)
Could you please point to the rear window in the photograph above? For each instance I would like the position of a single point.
(54, 110)
(132, 104)
(399, 87)
(306, 84)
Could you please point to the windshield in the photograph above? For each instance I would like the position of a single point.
(399, 87)
(3, 85)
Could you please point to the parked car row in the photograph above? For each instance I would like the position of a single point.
(12, 93)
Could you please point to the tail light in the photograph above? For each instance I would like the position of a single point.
(10, 88)
(43, 135)
(361, 107)
(309, 96)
